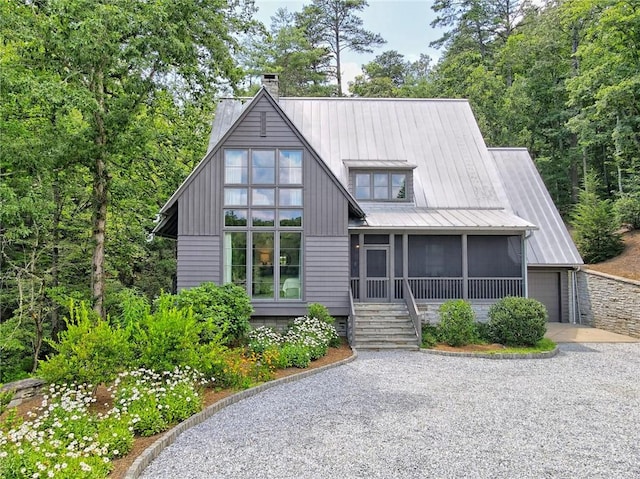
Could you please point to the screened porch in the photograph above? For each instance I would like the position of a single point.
(437, 267)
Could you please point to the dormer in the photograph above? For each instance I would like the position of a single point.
(381, 180)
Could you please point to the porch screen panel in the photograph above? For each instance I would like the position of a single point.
(494, 256)
(435, 256)
(397, 258)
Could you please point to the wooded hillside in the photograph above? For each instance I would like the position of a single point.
(106, 105)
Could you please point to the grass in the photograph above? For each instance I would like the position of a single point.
(544, 345)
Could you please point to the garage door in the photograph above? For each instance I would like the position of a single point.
(545, 287)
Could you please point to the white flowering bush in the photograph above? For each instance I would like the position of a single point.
(311, 333)
(154, 401)
(62, 439)
(263, 338)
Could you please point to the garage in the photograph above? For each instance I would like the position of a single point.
(545, 286)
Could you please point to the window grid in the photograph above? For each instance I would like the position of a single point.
(380, 185)
(263, 200)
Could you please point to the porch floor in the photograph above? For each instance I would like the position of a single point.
(578, 333)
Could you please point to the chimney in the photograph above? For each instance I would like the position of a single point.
(270, 82)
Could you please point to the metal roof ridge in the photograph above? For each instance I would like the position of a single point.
(385, 99)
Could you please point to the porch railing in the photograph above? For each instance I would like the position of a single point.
(495, 288)
(413, 310)
(439, 288)
(355, 288)
(436, 288)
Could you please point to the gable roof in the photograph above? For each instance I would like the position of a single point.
(528, 196)
(229, 114)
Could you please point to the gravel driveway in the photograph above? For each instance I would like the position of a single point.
(415, 415)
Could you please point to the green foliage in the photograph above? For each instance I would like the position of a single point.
(89, 351)
(517, 321)
(65, 439)
(595, 225)
(225, 309)
(457, 323)
(155, 401)
(320, 311)
(15, 354)
(295, 355)
(627, 210)
(167, 338)
(429, 335)
(483, 332)
(5, 399)
(263, 338)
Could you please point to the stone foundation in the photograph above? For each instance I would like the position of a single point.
(429, 311)
(609, 302)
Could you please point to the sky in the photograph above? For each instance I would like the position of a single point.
(404, 24)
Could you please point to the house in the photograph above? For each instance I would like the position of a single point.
(347, 201)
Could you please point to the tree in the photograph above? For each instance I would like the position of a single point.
(116, 58)
(390, 75)
(302, 68)
(335, 25)
(595, 225)
(605, 89)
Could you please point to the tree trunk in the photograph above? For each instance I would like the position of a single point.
(55, 253)
(338, 72)
(100, 190)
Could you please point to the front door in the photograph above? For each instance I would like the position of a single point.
(376, 273)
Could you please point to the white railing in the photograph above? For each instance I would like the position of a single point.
(495, 288)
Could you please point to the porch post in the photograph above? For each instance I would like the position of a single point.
(465, 268)
(525, 279)
(405, 256)
(361, 272)
(392, 268)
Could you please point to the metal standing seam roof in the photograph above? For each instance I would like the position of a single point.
(407, 217)
(529, 198)
(441, 137)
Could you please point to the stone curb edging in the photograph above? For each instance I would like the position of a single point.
(168, 438)
(540, 355)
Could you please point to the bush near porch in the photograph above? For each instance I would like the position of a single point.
(157, 363)
(513, 321)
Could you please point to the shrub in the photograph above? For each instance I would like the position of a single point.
(263, 338)
(89, 351)
(167, 338)
(457, 323)
(224, 308)
(483, 332)
(627, 210)
(314, 334)
(154, 401)
(429, 335)
(595, 226)
(517, 321)
(320, 311)
(296, 355)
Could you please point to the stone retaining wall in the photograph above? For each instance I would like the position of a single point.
(23, 390)
(609, 302)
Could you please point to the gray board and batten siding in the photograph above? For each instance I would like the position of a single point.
(326, 212)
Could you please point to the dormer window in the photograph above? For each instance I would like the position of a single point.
(380, 186)
(381, 180)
